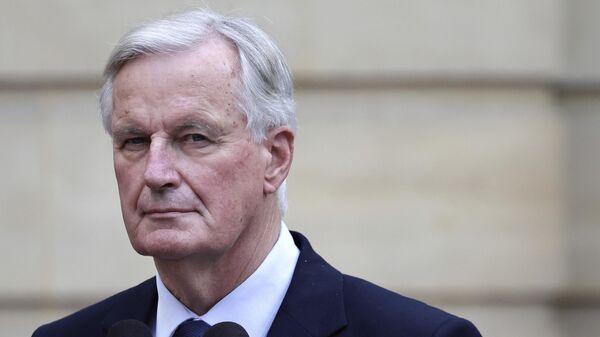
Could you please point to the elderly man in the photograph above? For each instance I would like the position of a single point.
(200, 108)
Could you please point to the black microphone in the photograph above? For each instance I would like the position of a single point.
(226, 329)
(129, 328)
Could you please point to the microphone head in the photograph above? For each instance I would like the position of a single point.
(129, 328)
(226, 329)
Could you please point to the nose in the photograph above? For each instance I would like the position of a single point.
(161, 172)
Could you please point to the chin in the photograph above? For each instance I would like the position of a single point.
(166, 254)
(164, 251)
(169, 245)
(159, 243)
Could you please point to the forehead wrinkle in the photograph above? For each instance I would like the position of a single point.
(200, 96)
(125, 123)
(199, 109)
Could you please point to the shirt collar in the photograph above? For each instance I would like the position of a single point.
(253, 304)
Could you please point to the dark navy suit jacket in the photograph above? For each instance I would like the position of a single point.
(320, 301)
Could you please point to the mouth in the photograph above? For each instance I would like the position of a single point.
(167, 212)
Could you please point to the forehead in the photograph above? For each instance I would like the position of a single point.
(203, 78)
(214, 60)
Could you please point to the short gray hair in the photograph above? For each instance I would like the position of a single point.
(266, 94)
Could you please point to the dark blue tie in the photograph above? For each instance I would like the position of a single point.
(191, 328)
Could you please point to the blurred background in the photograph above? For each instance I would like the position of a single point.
(447, 150)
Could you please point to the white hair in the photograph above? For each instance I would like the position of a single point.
(266, 94)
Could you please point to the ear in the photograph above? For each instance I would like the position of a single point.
(280, 147)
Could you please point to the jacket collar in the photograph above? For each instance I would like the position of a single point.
(314, 302)
(137, 303)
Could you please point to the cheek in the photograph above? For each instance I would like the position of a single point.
(129, 182)
(243, 180)
(243, 172)
(229, 186)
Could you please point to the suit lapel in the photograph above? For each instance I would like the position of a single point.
(137, 303)
(314, 302)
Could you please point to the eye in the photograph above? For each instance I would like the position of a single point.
(134, 143)
(194, 138)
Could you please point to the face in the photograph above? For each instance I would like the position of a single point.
(190, 179)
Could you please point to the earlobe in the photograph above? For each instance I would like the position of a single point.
(280, 144)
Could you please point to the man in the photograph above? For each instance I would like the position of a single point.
(201, 111)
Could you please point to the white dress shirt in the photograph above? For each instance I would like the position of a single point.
(253, 304)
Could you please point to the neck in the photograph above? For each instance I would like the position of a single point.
(199, 282)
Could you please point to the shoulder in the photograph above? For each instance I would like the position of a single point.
(323, 301)
(89, 321)
(377, 311)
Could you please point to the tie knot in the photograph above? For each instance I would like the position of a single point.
(191, 328)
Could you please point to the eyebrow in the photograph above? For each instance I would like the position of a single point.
(127, 131)
(194, 122)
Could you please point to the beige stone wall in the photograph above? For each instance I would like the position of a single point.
(447, 150)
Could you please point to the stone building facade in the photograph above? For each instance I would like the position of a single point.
(447, 150)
